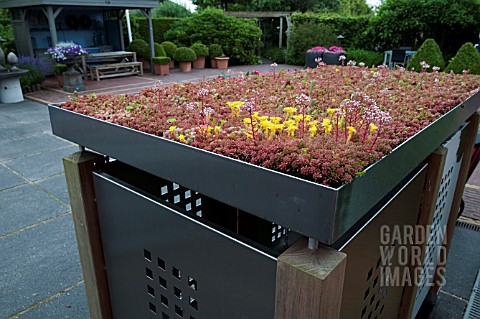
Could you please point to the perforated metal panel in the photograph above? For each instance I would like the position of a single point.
(440, 218)
(367, 292)
(162, 263)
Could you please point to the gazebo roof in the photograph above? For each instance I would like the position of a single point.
(129, 4)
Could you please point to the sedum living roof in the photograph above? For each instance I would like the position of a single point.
(129, 4)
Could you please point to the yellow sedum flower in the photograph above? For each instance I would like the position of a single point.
(182, 138)
(351, 130)
(327, 126)
(172, 129)
(373, 128)
(235, 107)
(313, 131)
(331, 111)
(275, 119)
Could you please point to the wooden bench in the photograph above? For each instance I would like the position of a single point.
(102, 71)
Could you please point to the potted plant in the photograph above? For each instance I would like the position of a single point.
(222, 62)
(69, 53)
(314, 56)
(169, 48)
(185, 56)
(201, 50)
(161, 65)
(214, 50)
(141, 48)
(333, 54)
(59, 69)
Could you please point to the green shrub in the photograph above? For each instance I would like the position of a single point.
(59, 68)
(467, 58)
(141, 47)
(184, 54)
(215, 50)
(160, 26)
(169, 48)
(429, 52)
(306, 36)
(200, 49)
(161, 60)
(159, 51)
(370, 58)
(276, 55)
(351, 27)
(238, 37)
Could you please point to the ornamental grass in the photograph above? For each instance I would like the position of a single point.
(326, 125)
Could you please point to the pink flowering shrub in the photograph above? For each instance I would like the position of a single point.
(317, 49)
(325, 124)
(335, 49)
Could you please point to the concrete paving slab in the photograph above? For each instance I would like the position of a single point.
(12, 130)
(463, 263)
(57, 186)
(36, 264)
(41, 165)
(9, 179)
(26, 205)
(448, 307)
(12, 149)
(71, 304)
(28, 115)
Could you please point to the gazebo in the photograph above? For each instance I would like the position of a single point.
(96, 25)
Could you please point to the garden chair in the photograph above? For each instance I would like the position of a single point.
(398, 57)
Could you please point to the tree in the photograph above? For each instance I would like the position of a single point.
(171, 9)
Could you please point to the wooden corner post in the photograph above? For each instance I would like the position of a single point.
(309, 283)
(78, 173)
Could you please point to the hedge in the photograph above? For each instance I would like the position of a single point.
(353, 28)
(160, 26)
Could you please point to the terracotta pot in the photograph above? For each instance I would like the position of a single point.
(145, 63)
(222, 63)
(161, 69)
(213, 63)
(185, 66)
(199, 63)
(60, 80)
(172, 64)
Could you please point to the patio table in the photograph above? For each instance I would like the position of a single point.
(106, 57)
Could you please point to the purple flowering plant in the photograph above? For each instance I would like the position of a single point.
(64, 50)
(318, 49)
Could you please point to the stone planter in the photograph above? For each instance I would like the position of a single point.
(222, 63)
(310, 59)
(199, 63)
(185, 66)
(332, 58)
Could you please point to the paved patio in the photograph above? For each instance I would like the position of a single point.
(40, 273)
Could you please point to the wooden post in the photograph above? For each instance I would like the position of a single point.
(468, 144)
(309, 283)
(280, 37)
(436, 163)
(78, 172)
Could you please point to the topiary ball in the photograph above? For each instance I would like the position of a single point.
(467, 58)
(159, 51)
(429, 52)
(141, 47)
(215, 50)
(184, 54)
(200, 49)
(169, 48)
